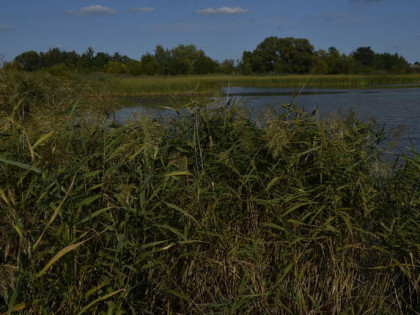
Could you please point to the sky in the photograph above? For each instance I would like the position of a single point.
(222, 28)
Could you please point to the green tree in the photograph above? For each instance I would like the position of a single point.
(227, 66)
(392, 63)
(321, 66)
(86, 60)
(281, 55)
(163, 58)
(28, 61)
(188, 52)
(71, 59)
(364, 58)
(364, 55)
(53, 57)
(245, 65)
(149, 65)
(204, 65)
(100, 61)
(331, 62)
(180, 65)
(336, 61)
(133, 66)
(116, 67)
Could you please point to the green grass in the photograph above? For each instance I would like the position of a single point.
(205, 213)
(193, 85)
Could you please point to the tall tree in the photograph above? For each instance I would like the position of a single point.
(204, 65)
(281, 55)
(86, 60)
(149, 65)
(28, 61)
(163, 58)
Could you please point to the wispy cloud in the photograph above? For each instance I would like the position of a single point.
(142, 9)
(92, 10)
(5, 27)
(223, 10)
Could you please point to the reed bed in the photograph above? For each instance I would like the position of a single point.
(196, 85)
(203, 213)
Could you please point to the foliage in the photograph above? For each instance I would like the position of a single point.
(273, 56)
(227, 67)
(333, 62)
(87, 62)
(212, 85)
(149, 65)
(205, 213)
(282, 55)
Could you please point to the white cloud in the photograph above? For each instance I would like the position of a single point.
(93, 10)
(142, 9)
(222, 10)
(5, 27)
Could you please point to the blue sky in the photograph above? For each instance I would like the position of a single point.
(223, 28)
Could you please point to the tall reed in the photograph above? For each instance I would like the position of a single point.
(204, 213)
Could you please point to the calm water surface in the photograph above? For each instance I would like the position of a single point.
(398, 108)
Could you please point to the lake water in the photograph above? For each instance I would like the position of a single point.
(397, 108)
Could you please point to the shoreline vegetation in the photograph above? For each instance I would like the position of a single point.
(206, 212)
(212, 84)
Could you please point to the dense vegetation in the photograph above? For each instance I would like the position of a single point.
(204, 213)
(272, 56)
(212, 85)
(183, 59)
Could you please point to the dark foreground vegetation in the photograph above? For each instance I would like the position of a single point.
(272, 56)
(204, 213)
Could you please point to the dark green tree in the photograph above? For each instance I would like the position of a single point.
(364, 55)
(53, 57)
(163, 58)
(391, 63)
(180, 65)
(100, 60)
(227, 66)
(245, 65)
(28, 61)
(281, 55)
(86, 60)
(149, 65)
(204, 65)
(116, 67)
(364, 58)
(133, 67)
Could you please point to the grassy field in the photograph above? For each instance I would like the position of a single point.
(192, 85)
(205, 213)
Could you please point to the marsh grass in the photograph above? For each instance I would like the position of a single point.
(212, 84)
(205, 213)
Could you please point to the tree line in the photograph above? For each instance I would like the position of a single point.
(272, 56)
(298, 56)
